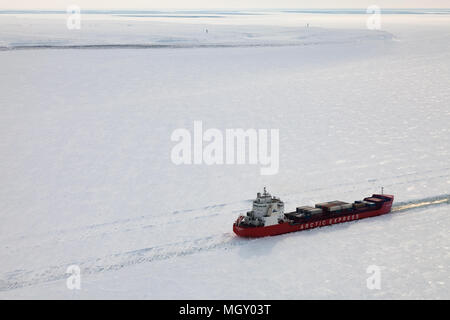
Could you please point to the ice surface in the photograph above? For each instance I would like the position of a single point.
(150, 31)
(87, 177)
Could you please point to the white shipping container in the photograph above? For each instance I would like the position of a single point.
(315, 211)
(335, 208)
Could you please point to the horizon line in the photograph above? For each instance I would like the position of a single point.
(233, 9)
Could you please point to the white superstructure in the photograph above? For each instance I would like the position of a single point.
(266, 211)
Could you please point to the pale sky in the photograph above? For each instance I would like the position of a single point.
(219, 4)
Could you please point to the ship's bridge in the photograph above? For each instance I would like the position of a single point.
(265, 205)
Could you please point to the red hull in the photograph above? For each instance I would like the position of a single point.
(286, 227)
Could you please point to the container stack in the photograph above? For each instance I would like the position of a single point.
(334, 206)
(308, 211)
(359, 204)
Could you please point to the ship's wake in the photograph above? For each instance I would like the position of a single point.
(117, 261)
(422, 203)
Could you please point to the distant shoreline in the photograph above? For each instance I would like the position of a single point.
(236, 11)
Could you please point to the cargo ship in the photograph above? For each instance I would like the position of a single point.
(267, 217)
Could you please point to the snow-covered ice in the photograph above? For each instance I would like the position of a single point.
(87, 177)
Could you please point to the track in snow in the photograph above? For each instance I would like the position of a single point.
(225, 241)
(170, 218)
(403, 206)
